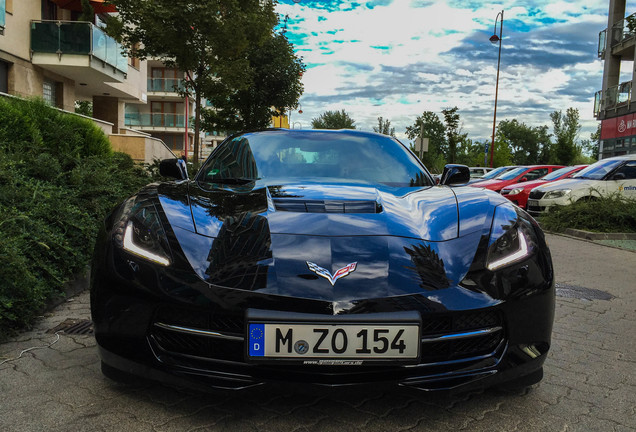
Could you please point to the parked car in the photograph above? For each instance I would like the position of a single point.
(496, 172)
(615, 175)
(478, 172)
(518, 175)
(320, 256)
(518, 193)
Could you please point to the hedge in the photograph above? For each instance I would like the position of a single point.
(58, 179)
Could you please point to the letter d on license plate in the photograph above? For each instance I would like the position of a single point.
(333, 341)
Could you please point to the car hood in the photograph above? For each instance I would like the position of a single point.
(567, 184)
(285, 240)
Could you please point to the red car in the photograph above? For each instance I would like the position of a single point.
(518, 193)
(517, 175)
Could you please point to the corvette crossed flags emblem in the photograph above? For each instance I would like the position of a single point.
(350, 268)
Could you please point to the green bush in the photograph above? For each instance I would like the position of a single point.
(58, 179)
(608, 214)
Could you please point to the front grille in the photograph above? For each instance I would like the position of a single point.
(505, 191)
(535, 194)
(178, 342)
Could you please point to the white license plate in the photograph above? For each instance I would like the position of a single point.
(333, 341)
(533, 203)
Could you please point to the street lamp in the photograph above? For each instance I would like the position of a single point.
(494, 39)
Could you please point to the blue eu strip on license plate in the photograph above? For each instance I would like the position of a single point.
(257, 340)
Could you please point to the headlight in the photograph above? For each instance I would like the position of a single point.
(516, 191)
(139, 231)
(510, 238)
(557, 193)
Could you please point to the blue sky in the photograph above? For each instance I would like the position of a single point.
(399, 58)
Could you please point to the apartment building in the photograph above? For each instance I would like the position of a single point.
(615, 103)
(168, 115)
(45, 51)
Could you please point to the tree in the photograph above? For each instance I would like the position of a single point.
(333, 120)
(207, 40)
(434, 130)
(566, 130)
(275, 86)
(384, 127)
(453, 132)
(526, 143)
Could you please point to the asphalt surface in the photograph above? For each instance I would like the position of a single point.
(589, 383)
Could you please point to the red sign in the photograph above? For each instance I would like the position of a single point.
(618, 127)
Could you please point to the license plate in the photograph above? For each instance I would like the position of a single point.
(333, 341)
(533, 203)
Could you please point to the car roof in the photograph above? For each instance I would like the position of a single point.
(621, 157)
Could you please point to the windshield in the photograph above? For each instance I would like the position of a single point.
(284, 155)
(512, 174)
(494, 173)
(598, 170)
(558, 173)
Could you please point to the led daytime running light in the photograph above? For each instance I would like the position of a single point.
(521, 253)
(131, 247)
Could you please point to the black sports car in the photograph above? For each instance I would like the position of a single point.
(325, 257)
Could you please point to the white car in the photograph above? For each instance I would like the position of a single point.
(616, 175)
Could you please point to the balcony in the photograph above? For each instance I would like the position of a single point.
(78, 50)
(156, 121)
(616, 98)
(621, 38)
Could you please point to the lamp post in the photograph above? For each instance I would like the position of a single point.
(494, 39)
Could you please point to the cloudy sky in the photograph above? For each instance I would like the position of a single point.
(399, 58)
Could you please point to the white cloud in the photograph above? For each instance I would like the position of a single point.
(399, 60)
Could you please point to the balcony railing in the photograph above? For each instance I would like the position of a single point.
(79, 38)
(613, 98)
(621, 31)
(598, 100)
(169, 85)
(602, 42)
(156, 120)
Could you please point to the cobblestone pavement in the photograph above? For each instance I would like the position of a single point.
(589, 383)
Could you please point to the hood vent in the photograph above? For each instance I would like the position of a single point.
(326, 206)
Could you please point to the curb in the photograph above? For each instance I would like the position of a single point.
(588, 235)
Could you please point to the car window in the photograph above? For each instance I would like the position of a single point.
(628, 170)
(494, 173)
(558, 173)
(512, 174)
(535, 173)
(598, 170)
(278, 155)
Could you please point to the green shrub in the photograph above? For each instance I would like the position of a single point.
(609, 214)
(58, 179)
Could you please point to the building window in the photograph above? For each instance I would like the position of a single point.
(49, 10)
(2, 16)
(4, 77)
(48, 92)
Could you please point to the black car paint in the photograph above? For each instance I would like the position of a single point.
(422, 249)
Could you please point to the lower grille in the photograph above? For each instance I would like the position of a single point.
(444, 337)
(536, 194)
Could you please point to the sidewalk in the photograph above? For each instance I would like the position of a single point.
(589, 382)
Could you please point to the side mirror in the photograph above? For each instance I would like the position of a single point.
(523, 179)
(455, 174)
(175, 168)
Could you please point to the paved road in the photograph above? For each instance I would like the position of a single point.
(589, 385)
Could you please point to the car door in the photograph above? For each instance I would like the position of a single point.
(623, 181)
